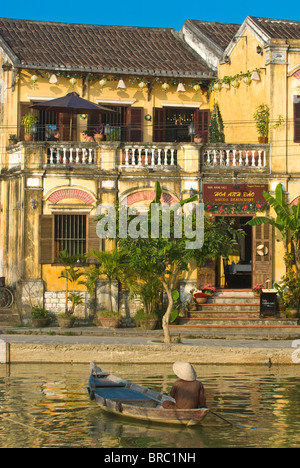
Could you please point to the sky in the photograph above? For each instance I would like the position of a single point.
(155, 13)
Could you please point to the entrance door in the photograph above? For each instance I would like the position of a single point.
(262, 255)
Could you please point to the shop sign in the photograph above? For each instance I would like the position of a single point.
(234, 198)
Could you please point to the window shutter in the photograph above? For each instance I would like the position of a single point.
(93, 239)
(134, 120)
(201, 121)
(46, 239)
(158, 124)
(297, 119)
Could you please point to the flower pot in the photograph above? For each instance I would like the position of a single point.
(197, 140)
(148, 323)
(291, 313)
(66, 322)
(201, 300)
(110, 322)
(40, 322)
(27, 137)
(98, 137)
(263, 139)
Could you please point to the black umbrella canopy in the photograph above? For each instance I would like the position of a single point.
(72, 103)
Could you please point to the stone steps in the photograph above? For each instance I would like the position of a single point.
(234, 312)
(9, 317)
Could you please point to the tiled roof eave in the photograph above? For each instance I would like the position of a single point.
(120, 71)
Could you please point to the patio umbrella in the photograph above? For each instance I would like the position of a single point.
(71, 104)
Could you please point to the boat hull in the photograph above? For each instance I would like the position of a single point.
(123, 398)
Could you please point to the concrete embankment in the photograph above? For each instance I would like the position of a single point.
(86, 347)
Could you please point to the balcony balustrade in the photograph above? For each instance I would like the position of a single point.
(140, 156)
(226, 156)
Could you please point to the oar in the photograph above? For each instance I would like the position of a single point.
(231, 424)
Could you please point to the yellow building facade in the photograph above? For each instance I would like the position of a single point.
(161, 95)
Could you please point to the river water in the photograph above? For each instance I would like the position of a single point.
(47, 405)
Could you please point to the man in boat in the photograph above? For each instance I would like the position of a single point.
(187, 392)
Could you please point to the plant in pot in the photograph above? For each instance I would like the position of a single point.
(145, 320)
(71, 273)
(12, 139)
(40, 317)
(28, 120)
(200, 297)
(109, 319)
(289, 291)
(257, 289)
(209, 289)
(262, 121)
(98, 133)
(198, 137)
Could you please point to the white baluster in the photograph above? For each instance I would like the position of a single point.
(241, 158)
(166, 157)
(227, 158)
(153, 157)
(207, 158)
(259, 158)
(84, 156)
(51, 155)
(58, 156)
(253, 158)
(71, 155)
(91, 155)
(234, 159)
(215, 158)
(65, 156)
(172, 157)
(247, 158)
(77, 156)
(133, 157)
(265, 159)
(126, 157)
(140, 157)
(222, 159)
(146, 157)
(159, 157)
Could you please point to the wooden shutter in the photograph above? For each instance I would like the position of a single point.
(46, 238)
(297, 119)
(93, 239)
(262, 264)
(201, 122)
(159, 127)
(134, 124)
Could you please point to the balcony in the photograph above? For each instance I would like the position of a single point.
(188, 157)
(233, 155)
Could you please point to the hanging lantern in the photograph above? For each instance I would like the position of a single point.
(180, 87)
(235, 83)
(142, 85)
(196, 87)
(121, 84)
(255, 76)
(102, 82)
(73, 81)
(247, 80)
(165, 86)
(53, 79)
(34, 78)
(217, 86)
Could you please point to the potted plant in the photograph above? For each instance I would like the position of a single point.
(109, 319)
(71, 274)
(40, 317)
(12, 139)
(209, 289)
(98, 133)
(257, 289)
(200, 297)
(27, 120)
(262, 120)
(146, 321)
(198, 137)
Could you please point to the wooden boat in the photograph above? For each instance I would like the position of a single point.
(124, 398)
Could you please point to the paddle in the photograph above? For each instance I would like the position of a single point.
(235, 425)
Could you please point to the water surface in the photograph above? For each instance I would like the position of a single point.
(47, 405)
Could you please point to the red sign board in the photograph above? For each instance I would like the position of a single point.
(230, 194)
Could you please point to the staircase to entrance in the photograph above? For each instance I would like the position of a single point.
(235, 312)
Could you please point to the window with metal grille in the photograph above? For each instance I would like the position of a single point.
(70, 234)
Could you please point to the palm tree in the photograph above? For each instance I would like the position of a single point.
(287, 222)
(110, 265)
(72, 274)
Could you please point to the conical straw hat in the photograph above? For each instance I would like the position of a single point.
(185, 371)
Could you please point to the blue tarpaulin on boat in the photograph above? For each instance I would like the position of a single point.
(117, 393)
